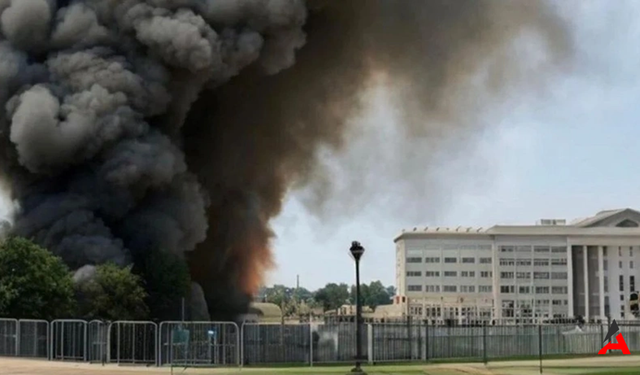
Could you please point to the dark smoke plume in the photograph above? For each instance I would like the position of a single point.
(134, 126)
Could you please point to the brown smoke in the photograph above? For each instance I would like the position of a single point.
(257, 136)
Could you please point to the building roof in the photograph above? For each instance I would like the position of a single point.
(619, 222)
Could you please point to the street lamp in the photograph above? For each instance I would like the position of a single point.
(356, 252)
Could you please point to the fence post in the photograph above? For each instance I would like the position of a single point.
(310, 344)
(602, 334)
(426, 342)
(17, 338)
(370, 343)
(419, 336)
(409, 335)
(484, 344)
(540, 345)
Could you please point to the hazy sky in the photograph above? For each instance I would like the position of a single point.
(569, 154)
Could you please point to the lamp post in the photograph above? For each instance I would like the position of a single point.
(356, 252)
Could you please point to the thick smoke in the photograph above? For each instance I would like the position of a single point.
(136, 126)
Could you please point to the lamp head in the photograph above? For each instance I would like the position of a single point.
(356, 250)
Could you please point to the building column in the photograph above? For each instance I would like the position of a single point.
(570, 280)
(601, 281)
(585, 270)
(495, 271)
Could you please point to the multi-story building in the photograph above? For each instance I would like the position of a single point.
(525, 273)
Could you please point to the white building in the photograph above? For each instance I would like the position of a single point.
(522, 273)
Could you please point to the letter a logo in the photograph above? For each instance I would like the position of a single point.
(620, 345)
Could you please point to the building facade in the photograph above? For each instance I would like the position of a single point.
(521, 274)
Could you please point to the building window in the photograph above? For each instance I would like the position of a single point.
(467, 289)
(558, 249)
(620, 264)
(414, 260)
(524, 249)
(541, 275)
(542, 290)
(506, 249)
(450, 288)
(621, 283)
(606, 284)
(524, 275)
(523, 262)
(631, 264)
(632, 283)
(604, 251)
(432, 288)
(506, 275)
(559, 290)
(485, 261)
(432, 274)
(414, 273)
(468, 260)
(450, 273)
(541, 249)
(541, 262)
(605, 264)
(432, 260)
(486, 274)
(524, 290)
(559, 262)
(507, 289)
(485, 289)
(622, 297)
(558, 276)
(507, 262)
(467, 274)
(415, 288)
(451, 260)
(557, 302)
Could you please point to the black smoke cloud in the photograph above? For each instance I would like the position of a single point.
(134, 126)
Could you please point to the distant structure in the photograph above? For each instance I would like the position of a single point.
(521, 274)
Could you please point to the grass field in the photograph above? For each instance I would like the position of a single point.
(601, 365)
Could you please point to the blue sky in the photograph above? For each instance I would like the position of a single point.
(569, 154)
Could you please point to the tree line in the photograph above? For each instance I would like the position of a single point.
(35, 284)
(330, 297)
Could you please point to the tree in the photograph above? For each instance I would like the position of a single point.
(373, 294)
(377, 295)
(332, 296)
(391, 290)
(166, 281)
(113, 293)
(34, 284)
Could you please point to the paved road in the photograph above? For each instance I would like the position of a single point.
(19, 366)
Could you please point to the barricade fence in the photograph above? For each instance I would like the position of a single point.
(226, 344)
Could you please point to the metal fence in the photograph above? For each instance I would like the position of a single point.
(227, 344)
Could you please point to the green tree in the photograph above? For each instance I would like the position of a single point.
(332, 296)
(167, 281)
(373, 294)
(377, 295)
(391, 290)
(113, 293)
(34, 284)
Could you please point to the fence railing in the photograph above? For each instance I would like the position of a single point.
(226, 344)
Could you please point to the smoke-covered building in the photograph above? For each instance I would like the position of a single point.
(522, 273)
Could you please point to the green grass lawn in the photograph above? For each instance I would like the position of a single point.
(370, 370)
(594, 371)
